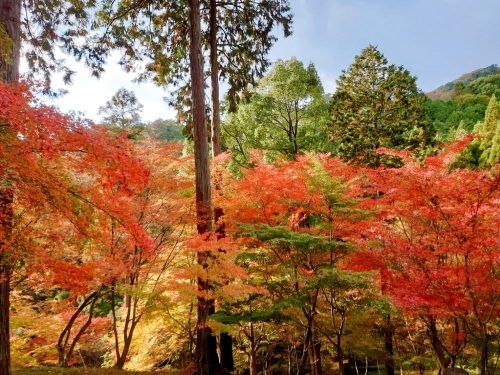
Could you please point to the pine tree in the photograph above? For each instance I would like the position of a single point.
(488, 131)
(494, 156)
(458, 133)
(122, 109)
(376, 105)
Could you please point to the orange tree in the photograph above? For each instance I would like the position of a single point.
(298, 222)
(67, 173)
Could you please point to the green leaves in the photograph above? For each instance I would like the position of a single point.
(285, 115)
(490, 141)
(122, 109)
(376, 105)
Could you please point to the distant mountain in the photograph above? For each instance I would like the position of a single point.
(446, 91)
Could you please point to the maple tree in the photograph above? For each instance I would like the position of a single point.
(441, 247)
(296, 234)
(163, 210)
(73, 175)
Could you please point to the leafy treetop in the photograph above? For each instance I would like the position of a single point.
(376, 105)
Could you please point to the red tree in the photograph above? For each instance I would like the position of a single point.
(441, 246)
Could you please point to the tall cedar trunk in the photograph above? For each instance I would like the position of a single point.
(252, 358)
(214, 75)
(10, 22)
(10, 19)
(206, 357)
(6, 199)
(388, 345)
(226, 341)
(4, 319)
(226, 351)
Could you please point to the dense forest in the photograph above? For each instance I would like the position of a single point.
(276, 229)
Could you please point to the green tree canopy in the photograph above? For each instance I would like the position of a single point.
(285, 114)
(122, 109)
(446, 115)
(165, 130)
(376, 105)
(489, 135)
(489, 85)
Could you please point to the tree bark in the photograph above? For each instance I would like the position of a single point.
(62, 343)
(340, 354)
(206, 346)
(6, 212)
(437, 344)
(132, 318)
(226, 351)
(214, 75)
(315, 355)
(226, 341)
(483, 368)
(389, 347)
(10, 23)
(10, 20)
(4, 319)
(252, 355)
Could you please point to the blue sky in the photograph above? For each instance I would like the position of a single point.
(436, 40)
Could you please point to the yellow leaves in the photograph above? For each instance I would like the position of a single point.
(6, 45)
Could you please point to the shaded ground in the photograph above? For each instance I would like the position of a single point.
(82, 371)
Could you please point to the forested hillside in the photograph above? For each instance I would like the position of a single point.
(275, 230)
(446, 91)
(462, 103)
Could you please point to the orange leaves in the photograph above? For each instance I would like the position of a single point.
(265, 193)
(73, 185)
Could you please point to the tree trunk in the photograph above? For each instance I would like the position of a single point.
(206, 346)
(62, 343)
(6, 199)
(437, 345)
(388, 345)
(340, 354)
(315, 355)
(10, 24)
(214, 75)
(252, 358)
(10, 20)
(226, 341)
(226, 351)
(307, 343)
(4, 319)
(131, 320)
(484, 355)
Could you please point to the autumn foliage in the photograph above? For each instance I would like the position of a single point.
(317, 253)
